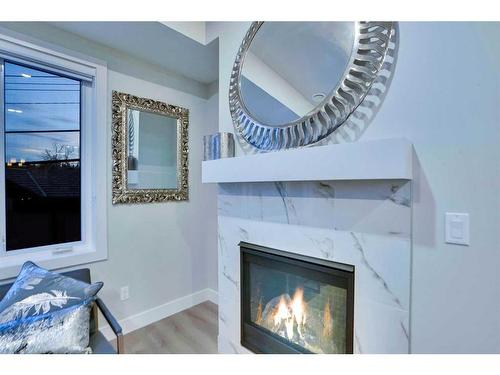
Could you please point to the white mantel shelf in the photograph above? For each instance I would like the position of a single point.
(385, 159)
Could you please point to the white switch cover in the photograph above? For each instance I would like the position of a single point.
(457, 228)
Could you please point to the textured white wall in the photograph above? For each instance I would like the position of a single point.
(444, 98)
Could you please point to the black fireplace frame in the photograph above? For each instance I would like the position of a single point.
(256, 338)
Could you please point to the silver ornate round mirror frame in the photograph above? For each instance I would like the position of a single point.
(371, 42)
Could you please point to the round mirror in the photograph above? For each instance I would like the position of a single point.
(294, 83)
(291, 67)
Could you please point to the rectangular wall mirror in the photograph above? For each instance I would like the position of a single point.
(150, 150)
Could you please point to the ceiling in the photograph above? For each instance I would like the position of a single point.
(155, 43)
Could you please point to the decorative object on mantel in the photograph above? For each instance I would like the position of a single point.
(218, 145)
(278, 99)
(150, 150)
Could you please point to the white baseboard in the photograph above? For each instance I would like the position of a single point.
(212, 296)
(146, 317)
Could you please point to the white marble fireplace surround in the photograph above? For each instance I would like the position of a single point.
(364, 223)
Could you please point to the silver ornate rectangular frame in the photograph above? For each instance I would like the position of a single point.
(121, 194)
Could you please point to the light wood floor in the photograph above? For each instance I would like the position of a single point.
(192, 331)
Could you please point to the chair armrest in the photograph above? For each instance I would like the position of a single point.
(113, 323)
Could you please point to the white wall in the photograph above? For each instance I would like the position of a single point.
(162, 251)
(209, 227)
(445, 98)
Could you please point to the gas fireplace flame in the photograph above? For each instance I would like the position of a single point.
(282, 312)
(258, 319)
(291, 313)
(309, 324)
(299, 310)
(327, 321)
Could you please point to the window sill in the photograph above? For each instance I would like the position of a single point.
(77, 255)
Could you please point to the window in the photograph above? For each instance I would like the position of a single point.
(42, 157)
(53, 157)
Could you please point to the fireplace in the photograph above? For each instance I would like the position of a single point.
(295, 304)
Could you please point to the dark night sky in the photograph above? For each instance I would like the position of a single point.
(54, 106)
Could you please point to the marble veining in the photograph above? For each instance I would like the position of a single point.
(405, 330)
(326, 189)
(222, 244)
(325, 246)
(363, 223)
(357, 345)
(376, 275)
(400, 195)
(379, 207)
(226, 274)
(287, 202)
(243, 233)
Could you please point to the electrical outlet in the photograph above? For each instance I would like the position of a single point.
(124, 293)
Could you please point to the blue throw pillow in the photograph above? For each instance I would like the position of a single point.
(38, 291)
(59, 332)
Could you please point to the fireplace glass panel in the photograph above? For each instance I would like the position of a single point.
(300, 305)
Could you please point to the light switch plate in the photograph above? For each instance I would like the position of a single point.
(457, 228)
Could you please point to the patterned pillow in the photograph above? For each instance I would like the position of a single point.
(59, 332)
(37, 291)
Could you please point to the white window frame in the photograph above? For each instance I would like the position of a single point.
(93, 155)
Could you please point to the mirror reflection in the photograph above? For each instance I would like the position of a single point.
(291, 67)
(151, 150)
